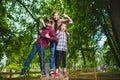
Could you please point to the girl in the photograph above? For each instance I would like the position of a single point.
(57, 22)
(46, 34)
(61, 49)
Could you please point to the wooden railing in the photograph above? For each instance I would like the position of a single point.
(89, 73)
(11, 74)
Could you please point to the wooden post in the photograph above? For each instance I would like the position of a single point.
(95, 75)
(10, 76)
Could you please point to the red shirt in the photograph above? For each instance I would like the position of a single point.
(43, 41)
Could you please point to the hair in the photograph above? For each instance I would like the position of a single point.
(59, 28)
(51, 21)
(58, 21)
(54, 12)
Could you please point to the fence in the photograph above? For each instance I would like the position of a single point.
(89, 73)
(11, 74)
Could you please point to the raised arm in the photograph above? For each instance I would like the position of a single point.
(42, 21)
(68, 18)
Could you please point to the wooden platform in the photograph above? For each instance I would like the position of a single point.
(47, 69)
(52, 78)
(61, 77)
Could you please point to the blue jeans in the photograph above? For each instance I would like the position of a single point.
(36, 48)
(52, 54)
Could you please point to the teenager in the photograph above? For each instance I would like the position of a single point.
(57, 22)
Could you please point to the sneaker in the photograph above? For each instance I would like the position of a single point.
(23, 71)
(51, 72)
(64, 74)
(56, 75)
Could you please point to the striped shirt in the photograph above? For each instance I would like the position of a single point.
(62, 41)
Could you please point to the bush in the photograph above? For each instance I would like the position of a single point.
(113, 69)
(12, 66)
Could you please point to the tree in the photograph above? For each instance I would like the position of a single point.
(91, 25)
(115, 16)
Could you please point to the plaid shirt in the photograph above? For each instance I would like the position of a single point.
(43, 41)
(62, 41)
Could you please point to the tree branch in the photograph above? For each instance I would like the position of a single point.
(27, 10)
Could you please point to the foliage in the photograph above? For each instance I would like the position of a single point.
(19, 26)
(114, 69)
(12, 66)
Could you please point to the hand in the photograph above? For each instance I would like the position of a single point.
(65, 15)
(41, 20)
(47, 35)
(40, 31)
(57, 31)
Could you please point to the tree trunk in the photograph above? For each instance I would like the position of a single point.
(114, 51)
(112, 42)
(115, 21)
(0, 1)
(83, 56)
(115, 18)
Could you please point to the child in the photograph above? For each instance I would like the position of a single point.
(57, 22)
(46, 34)
(61, 49)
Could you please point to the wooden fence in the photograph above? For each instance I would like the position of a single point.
(87, 73)
(11, 74)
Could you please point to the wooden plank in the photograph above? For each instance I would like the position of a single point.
(89, 73)
(61, 77)
(6, 73)
(52, 78)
